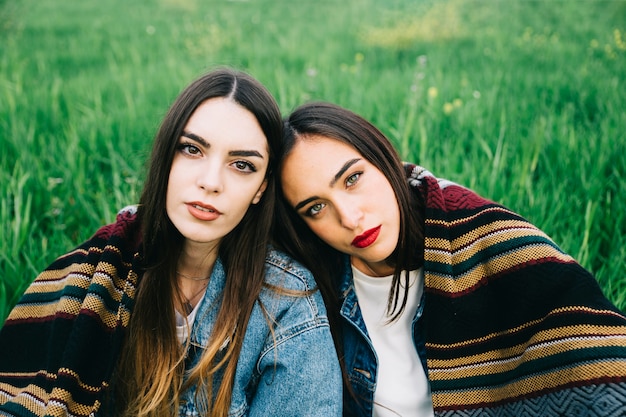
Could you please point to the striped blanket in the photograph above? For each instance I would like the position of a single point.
(513, 326)
(60, 344)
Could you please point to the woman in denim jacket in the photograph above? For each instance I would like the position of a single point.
(181, 307)
(442, 302)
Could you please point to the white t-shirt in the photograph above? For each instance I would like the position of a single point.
(402, 388)
(182, 326)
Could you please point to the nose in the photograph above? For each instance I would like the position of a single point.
(210, 178)
(349, 215)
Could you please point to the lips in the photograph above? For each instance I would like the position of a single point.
(366, 238)
(202, 211)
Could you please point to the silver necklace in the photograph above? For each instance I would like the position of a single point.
(192, 278)
(187, 302)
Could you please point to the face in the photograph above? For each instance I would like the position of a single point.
(217, 172)
(344, 199)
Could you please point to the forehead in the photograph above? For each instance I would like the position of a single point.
(324, 148)
(221, 121)
(320, 152)
(312, 164)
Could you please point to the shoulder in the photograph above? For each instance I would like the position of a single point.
(286, 272)
(117, 244)
(291, 298)
(126, 225)
(449, 201)
(441, 194)
(110, 256)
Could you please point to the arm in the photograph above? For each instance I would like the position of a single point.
(300, 375)
(512, 323)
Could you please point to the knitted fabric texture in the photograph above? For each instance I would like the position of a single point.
(60, 343)
(513, 326)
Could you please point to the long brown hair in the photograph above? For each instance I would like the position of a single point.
(343, 125)
(150, 375)
(294, 236)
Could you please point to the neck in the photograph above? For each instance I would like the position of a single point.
(197, 260)
(377, 269)
(194, 268)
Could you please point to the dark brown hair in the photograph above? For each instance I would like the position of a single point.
(151, 371)
(296, 238)
(334, 122)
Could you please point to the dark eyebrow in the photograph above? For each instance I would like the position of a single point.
(305, 202)
(338, 175)
(343, 169)
(206, 144)
(246, 153)
(197, 138)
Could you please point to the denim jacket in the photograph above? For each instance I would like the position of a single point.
(360, 358)
(295, 371)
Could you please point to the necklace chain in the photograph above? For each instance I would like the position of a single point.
(192, 278)
(187, 303)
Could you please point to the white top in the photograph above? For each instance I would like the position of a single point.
(182, 326)
(402, 388)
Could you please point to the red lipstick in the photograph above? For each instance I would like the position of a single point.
(366, 238)
(202, 211)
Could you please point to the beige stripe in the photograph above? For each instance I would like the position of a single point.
(489, 268)
(550, 380)
(498, 362)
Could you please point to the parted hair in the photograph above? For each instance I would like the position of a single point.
(294, 237)
(335, 122)
(149, 378)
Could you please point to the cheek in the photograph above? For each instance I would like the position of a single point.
(325, 231)
(177, 176)
(252, 188)
(173, 183)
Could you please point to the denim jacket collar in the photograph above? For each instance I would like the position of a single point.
(350, 306)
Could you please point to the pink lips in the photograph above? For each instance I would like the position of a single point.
(366, 238)
(202, 211)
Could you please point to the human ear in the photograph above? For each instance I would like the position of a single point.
(259, 193)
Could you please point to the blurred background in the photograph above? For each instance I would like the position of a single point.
(522, 101)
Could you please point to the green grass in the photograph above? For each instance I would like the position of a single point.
(521, 100)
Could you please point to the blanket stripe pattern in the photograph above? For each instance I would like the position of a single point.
(60, 343)
(513, 326)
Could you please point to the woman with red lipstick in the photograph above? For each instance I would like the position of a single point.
(181, 307)
(441, 302)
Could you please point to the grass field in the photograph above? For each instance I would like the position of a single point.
(523, 101)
